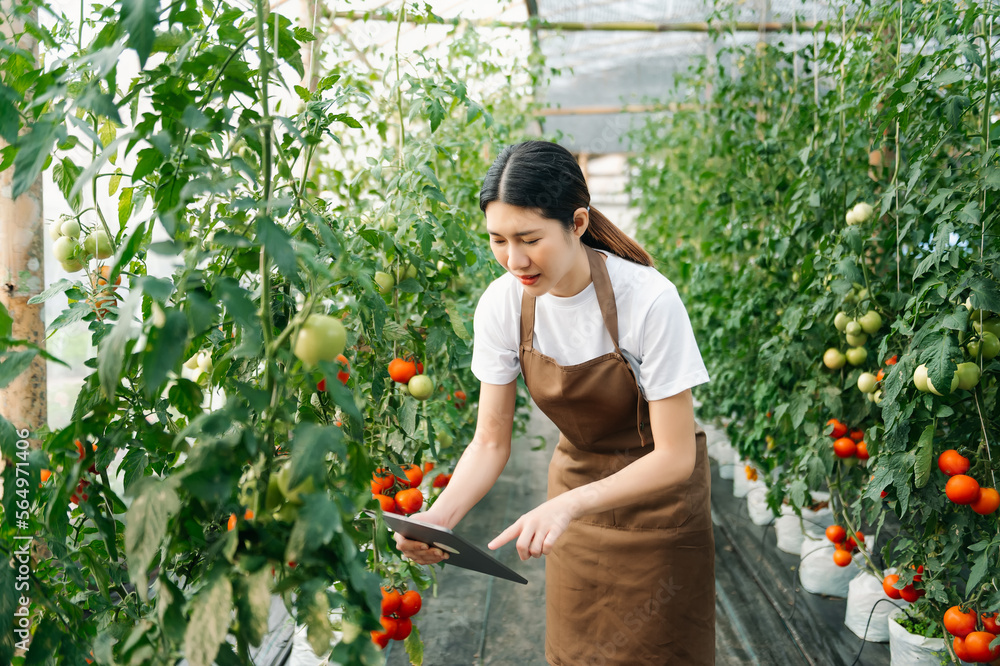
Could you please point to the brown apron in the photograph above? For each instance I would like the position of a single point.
(634, 585)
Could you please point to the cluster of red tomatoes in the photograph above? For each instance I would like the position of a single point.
(398, 494)
(848, 444)
(969, 643)
(397, 609)
(844, 545)
(908, 592)
(963, 489)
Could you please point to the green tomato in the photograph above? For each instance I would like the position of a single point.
(867, 382)
(990, 326)
(877, 397)
(406, 272)
(71, 265)
(851, 218)
(870, 322)
(834, 359)
(420, 387)
(840, 321)
(288, 513)
(70, 229)
(321, 338)
(98, 244)
(384, 282)
(853, 328)
(274, 497)
(862, 212)
(445, 439)
(294, 495)
(920, 378)
(64, 248)
(968, 376)
(54, 231)
(857, 355)
(990, 345)
(857, 340)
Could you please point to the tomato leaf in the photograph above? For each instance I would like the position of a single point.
(940, 366)
(924, 454)
(13, 363)
(145, 528)
(7, 322)
(414, 648)
(111, 354)
(210, 618)
(319, 632)
(318, 520)
(33, 152)
(253, 604)
(977, 573)
(163, 354)
(139, 18)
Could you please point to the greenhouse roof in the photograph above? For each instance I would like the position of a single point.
(603, 70)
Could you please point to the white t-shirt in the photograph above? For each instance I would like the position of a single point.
(652, 325)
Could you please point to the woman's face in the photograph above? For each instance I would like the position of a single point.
(538, 251)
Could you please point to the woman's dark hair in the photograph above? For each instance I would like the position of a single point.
(545, 177)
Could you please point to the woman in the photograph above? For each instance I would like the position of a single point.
(627, 530)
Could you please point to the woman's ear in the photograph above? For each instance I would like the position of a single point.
(581, 221)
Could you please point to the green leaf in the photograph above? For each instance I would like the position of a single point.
(65, 174)
(317, 522)
(985, 294)
(7, 322)
(414, 648)
(125, 205)
(32, 152)
(9, 118)
(166, 347)
(145, 528)
(210, 618)
(977, 573)
(13, 363)
(54, 288)
(170, 609)
(924, 454)
(253, 604)
(319, 632)
(458, 323)
(279, 245)
(139, 18)
(408, 416)
(113, 182)
(940, 366)
(111, 354)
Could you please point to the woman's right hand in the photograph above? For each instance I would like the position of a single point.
(418, 551)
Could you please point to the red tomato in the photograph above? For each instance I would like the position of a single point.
(387, 503)
(962, 489)
(977, 644)
(857, 435)
(380, 638)
(911, 593)
(839, 429)
(990, 623)
(413, 476)
(390, 601)
(836, 533)
(845, 447)
(410, 604)
(862, 451)
(409, 501)
(842, 558)
(888, 584)
(958, 644)
(951, 462)
(988, 502)
(441, 480)
(958, 622)
(403, 629)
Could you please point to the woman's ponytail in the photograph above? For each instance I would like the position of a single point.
(544, 176)
(603, 234)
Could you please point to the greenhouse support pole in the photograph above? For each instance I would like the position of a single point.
(22, 266)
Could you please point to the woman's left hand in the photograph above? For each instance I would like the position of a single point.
(537, 530)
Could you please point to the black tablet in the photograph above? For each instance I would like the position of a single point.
(461, 553)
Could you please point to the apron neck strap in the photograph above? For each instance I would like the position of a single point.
(605, 293)
(605, 299)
